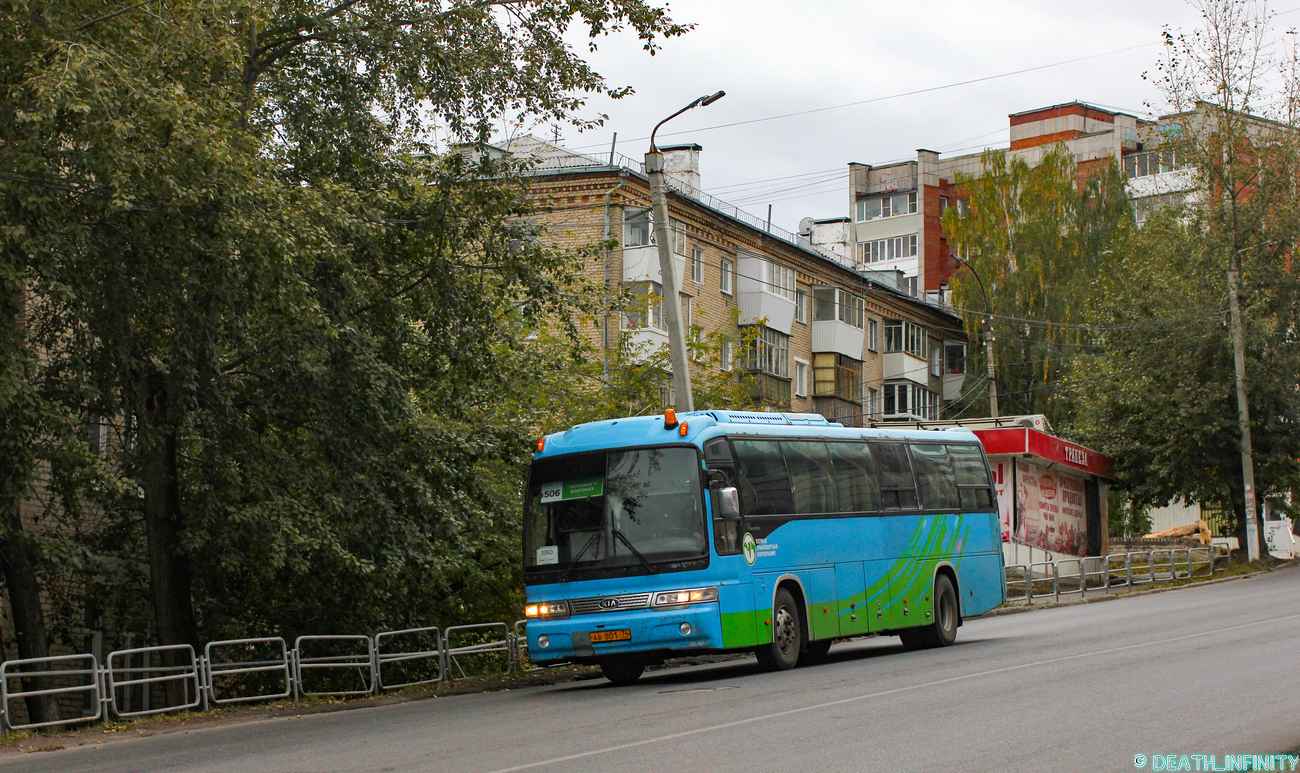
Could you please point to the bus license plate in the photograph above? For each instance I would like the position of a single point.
(599, 637)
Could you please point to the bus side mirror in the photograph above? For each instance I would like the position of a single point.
(729, 503)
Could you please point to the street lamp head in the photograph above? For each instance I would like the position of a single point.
(698, 102)
(706, 101)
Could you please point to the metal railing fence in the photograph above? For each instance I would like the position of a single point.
(251, 669)
(485, 644)
(45, 671)
(359, 662)
(187, 674)
(407, 660)
(1102, 573)
(243, 670)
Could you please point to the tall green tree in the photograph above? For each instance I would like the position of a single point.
(1164, 400)
(1038, 236)
(291, 312)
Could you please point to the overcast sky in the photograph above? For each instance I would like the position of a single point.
(781, 56)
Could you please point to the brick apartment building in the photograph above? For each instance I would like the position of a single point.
(828, 338)
(896, 209)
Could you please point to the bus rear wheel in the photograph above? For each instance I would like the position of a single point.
(622, 671)
(943, 630)
(787, 635)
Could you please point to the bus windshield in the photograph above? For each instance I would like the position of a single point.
(614, 509)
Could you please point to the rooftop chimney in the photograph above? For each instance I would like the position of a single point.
(682, 164)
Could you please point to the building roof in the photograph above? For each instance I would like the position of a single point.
(547, 158)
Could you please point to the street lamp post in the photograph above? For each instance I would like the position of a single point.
(988, 340)
(654, 167)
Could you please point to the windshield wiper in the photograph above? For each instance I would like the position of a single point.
(619, 534)
(578, 557)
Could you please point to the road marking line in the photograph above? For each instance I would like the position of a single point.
(856, 698)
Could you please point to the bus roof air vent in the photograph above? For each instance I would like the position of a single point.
(739, 417)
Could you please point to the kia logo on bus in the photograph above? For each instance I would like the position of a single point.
(609, 604)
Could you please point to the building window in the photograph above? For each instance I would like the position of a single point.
(636, 228)
(911, 400)
(954, 356)
(873, 335)
(99, 435)
(778, 278)
(887, 206)
(724, 355)
(936, 365)
(647, 310)
(770, 353)
(835, 375)
(1148, 204)
(873, 403)
(697, 266)
(832, 304)
(903, 336)
(800, 378)
(694, 331)
(887, 249)
(724, 279)
(910, 285)
(801, 306)
(895, 399)
(677, 232)
(1155, 162)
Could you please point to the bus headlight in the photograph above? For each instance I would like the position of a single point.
(547, 610)
(683, 598)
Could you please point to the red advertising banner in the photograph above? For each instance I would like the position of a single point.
(1051, 507)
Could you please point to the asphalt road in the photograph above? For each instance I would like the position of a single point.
(1203, 670)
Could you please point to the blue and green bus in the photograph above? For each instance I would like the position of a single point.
(714, 531)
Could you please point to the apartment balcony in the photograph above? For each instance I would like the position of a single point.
(903, 365)
(641, 264)
(952, 386)
(839, 337)
(846, 412)
(768, 390)
(645, 341)
(758, 299)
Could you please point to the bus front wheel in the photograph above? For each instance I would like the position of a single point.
(787, 635)
(943, 631)
(622, 670)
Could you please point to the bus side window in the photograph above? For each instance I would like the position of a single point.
(897, 488)
(934, 477)
(812, 478)
(726, 534)
(764, 482)
(972, 478)
(855, 477)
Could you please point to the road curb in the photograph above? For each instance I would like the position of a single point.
(1028, 607)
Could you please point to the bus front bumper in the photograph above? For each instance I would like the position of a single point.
(661, 633)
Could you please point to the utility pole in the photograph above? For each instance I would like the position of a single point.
(987, 326)
(1243, 406)
(993, 369)
(654, 167)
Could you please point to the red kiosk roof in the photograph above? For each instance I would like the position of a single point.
(1023, 440)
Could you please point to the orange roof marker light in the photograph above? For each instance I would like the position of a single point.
(670, 418)
(682, 430)
(541, 443)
